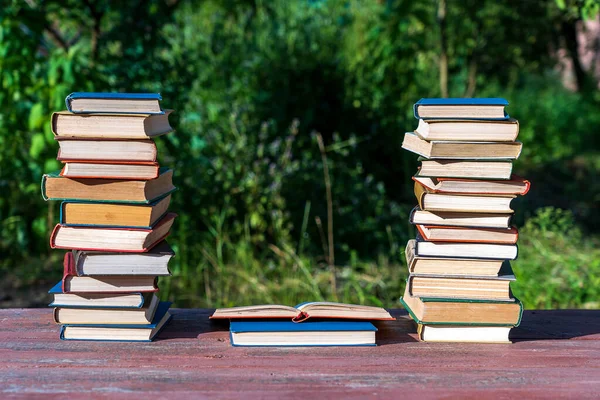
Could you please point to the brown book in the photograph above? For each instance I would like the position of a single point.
(468, 130)
(461, 150)
(106, 150)
(110, 126)
(56, 187)
(135, 240)
(420, 265)
(431, 201)
(463, 219)
(78, 169)
(113, 215)
(514, 186)
(441, 311)
(464, 287)
(432, 233)
(465, 169)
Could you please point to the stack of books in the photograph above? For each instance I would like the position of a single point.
(113, 217)
(307, 324)
(458, 287)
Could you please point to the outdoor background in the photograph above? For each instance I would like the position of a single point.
(289, 117)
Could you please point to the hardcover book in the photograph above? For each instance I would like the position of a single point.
(91, 263)
(309, 333)
(432, 233)
(122, 332)
(78, 169)
(462, 219)
(133, 103)
(56, 187)
(106, 150)
(111, 239)
(461, 150)
(112, 215)
(465, 250)
(96, 300)
(110, 126)
(468, 130)
(464, 334)
(462, 287)
(465, 169)
(420, 265)
(431, 201)
(303, 311)
(462, 312)
(514, 186)
(461, 108)
(129, 316)
(72, 283)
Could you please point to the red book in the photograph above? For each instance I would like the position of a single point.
(71, 283)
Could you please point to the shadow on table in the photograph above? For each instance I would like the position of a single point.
(557, 324)
(189, 323)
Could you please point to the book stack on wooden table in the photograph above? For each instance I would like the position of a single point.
(113, 217)
(459, 264)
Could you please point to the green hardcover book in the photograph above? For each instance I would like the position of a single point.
(57, 187)
(462, 312)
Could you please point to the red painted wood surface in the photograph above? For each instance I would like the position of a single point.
(556, 355)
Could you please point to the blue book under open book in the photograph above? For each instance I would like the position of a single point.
(307, 333)
(461, 108)
(122, 103)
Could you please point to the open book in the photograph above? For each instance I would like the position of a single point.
(302, 312)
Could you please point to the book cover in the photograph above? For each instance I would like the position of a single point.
(452, 300)
(482, 101)
(307, 326)
(58, 289)
(514, 179)
(56, 175)
(161, 310)
(167, 219)
(110, 96)
(61, 217)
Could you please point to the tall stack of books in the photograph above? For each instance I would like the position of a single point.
(458, 287)
(113, 217)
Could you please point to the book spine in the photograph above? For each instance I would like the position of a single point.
(53, 124)
(43, 187)
(68, 102)
(420, 192)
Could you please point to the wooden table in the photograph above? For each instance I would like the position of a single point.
(556, 354)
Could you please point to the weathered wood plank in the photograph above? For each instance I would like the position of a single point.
(556, 354)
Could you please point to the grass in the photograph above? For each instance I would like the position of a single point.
(558, 267)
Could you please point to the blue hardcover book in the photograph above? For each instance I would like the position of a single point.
(96, 300)
(122, 103)
(307, 333)
(119, 333)
(461, 108)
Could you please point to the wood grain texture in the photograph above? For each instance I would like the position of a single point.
(556, 354)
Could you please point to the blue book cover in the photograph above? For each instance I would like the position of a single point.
(57, 289)
(457, 101)
(111, 96)
(161, 310)
(237, 327)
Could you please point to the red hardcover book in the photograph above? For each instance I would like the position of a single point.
(111, 239)
(71, 283)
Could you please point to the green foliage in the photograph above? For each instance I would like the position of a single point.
(558, 265)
